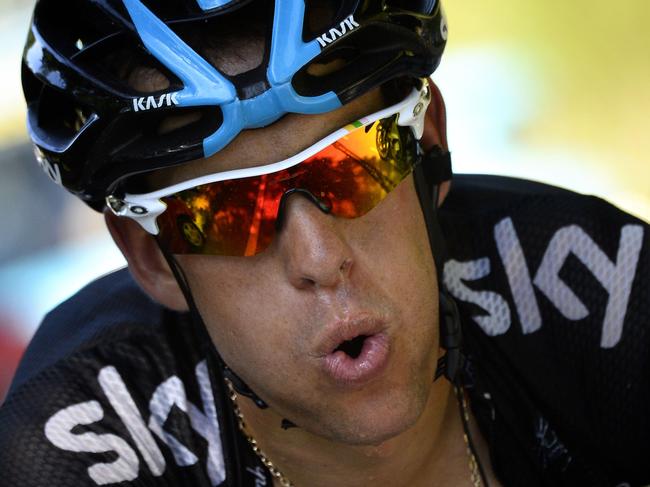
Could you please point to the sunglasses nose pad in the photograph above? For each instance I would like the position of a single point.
(320, 204)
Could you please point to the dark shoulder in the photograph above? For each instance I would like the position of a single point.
(531, 240)
(525, 257)
(101, 364)
(107, 309)
(554, 292)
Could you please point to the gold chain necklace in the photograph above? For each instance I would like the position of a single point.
(473, 463)
(285, 482)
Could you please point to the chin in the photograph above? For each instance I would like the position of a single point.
(373, 421)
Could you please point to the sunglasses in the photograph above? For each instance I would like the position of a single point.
(238, 212)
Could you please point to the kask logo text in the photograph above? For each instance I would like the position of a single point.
(151, 102)
(347, 25)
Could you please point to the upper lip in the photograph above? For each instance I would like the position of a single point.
(342, 330)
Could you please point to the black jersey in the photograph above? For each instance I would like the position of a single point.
(554, 292)
(553, 289)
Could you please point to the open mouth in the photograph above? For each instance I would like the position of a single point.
(356, 361)
(352, 348)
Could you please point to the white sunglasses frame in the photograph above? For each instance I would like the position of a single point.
(146, 208)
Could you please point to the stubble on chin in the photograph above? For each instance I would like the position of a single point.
(371, 421)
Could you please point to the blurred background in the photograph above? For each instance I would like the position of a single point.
(554, 91)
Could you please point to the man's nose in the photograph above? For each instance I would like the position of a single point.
(314, 251)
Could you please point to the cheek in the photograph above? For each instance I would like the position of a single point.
(397, 252)
(239, 306)
(414, 285)
(396, 245)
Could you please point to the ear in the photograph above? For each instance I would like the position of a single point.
(435, 130)
(146, 262)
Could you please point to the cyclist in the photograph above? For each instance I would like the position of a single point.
(272, 172)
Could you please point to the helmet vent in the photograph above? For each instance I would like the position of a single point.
(130, 68)
(59, 23)
(234, 44)
(320, 15)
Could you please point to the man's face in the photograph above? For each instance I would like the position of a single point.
(277, 317)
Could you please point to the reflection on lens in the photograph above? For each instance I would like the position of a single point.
(237, 217)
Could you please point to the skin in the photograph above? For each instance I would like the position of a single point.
(267, 315)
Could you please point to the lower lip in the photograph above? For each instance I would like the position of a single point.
(370, 363)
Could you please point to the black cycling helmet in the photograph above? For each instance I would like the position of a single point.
(92, 129)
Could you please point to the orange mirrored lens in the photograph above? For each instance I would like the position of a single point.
(238, 217)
